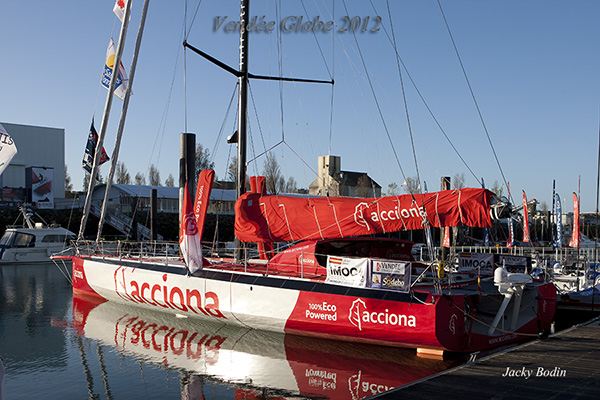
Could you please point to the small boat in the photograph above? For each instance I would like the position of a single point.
(33, 242)
(577, 284)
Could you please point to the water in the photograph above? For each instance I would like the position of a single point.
(57, 346)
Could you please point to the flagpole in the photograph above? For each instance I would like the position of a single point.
(107, 106)
(115, 155)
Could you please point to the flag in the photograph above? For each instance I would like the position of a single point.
(205, 181)
(576, 234)
(558, 217)
(122, 80)
(511, 233)
(8, 149)
(189, 240)
(119, 9)
(525, 219)
(446, 241)
(90, 150)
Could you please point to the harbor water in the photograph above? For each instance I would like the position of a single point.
(55, 345)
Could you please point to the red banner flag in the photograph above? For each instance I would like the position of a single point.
(205, 181)
(576, 235)
(446, 242)
(525, 219)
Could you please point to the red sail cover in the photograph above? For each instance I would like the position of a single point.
(205, 181)
(285, 218)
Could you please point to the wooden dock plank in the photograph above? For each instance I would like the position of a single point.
(564, 366)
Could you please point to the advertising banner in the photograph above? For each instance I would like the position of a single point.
(42, 190)
(390, 275)
(347, 271)
(476, 263)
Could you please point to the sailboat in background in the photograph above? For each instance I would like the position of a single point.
(336, 282)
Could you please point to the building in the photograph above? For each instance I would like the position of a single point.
(122, 198)
(333, 181)
(36, 174)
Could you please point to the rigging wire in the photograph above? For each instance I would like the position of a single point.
(376, 100)
(429, 110)
(187, 33)
(472, 93)
(332, 79)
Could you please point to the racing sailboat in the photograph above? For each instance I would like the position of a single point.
(339, 281)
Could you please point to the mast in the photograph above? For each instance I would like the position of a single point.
(107, 106)
(242, 110)
(115, 155)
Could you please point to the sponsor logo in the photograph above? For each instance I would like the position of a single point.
(304, 260)
(343, 271)
(452, 325)
(359, 316)
(167, 296)
(501, 339)
(322, 311)
(78, 274)
(189, 224)
(363, 218)
(321, 378)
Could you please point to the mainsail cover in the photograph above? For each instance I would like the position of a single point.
(287, 218)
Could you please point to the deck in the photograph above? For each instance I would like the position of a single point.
(564, 366)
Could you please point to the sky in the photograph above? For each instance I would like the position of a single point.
(532, 67)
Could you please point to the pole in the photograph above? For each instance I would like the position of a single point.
(107, 106)
(242, 110)
(115, 155)
(187, 166)
(153, 214)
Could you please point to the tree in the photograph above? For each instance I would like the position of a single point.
(291, 186)
(154, 176)
(392, 189)
(170, 181)
(544, 206)
(86, 180)
(411, 185)
(139, 179)
(497, 189)
(203, 160)
(68, 184)
(274, 180)
(232, 170)
(123, 177)
(459, 181)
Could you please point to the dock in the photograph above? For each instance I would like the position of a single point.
(564, 366)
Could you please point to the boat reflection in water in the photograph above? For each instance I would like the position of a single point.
(265, 364)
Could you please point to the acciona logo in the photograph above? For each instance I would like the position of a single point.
(364, 218)
(360, 317)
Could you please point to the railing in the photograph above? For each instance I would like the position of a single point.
(127, 249)
(559, 254)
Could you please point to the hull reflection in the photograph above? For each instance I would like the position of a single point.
(253, 361)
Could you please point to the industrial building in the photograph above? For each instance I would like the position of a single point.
(36, 174)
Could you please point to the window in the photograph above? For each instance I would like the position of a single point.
(24, 240)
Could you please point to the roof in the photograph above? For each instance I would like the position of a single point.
(352, 178)
(170, 192)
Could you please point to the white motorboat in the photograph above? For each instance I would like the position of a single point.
(33, 242)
